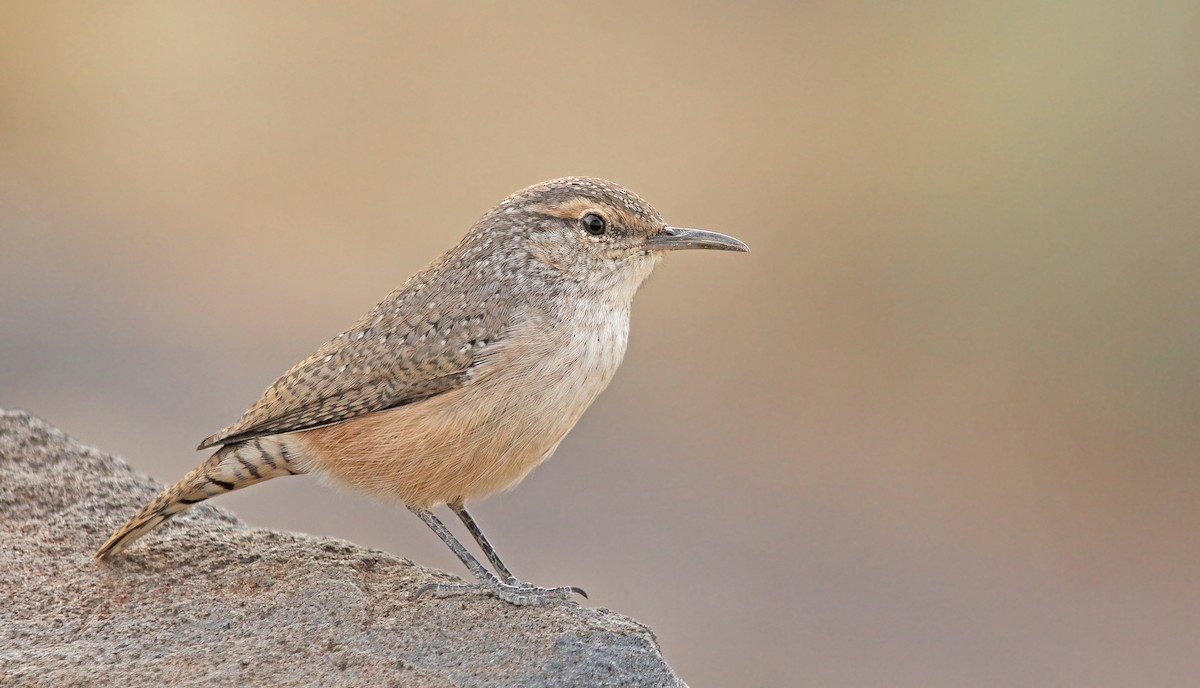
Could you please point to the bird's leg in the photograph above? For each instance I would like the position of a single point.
(492, 555)
(519, 594)
(486, 546)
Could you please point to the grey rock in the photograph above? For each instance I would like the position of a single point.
(213, 602)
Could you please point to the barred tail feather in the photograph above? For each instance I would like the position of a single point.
(233, 467)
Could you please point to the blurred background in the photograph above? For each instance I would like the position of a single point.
(939, 429)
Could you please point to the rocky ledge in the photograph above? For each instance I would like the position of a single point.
(216, 603)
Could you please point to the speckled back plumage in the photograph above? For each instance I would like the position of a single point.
(424, 338)
(408, 348)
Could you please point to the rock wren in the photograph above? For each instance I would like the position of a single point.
(464, 378)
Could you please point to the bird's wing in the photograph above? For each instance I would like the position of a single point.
(386, 360)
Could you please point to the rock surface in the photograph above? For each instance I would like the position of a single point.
(213, 602)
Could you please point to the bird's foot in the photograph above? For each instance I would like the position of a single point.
(511, 591)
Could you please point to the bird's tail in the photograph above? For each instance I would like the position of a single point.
(234, 466)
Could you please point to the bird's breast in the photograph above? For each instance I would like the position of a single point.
(577, 356)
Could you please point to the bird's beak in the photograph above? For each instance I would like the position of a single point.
(674, 238)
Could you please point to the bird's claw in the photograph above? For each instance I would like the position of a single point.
(511, 591)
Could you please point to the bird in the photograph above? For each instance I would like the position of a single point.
(463, 379)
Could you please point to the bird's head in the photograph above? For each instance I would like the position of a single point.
(596, 233)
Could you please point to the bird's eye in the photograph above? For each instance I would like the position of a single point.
(593, 223)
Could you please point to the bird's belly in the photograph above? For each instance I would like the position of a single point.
(469, 442)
